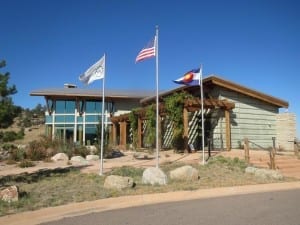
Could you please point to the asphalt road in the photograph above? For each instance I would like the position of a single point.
(271, 208)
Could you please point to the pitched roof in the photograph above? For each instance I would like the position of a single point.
(215, 80)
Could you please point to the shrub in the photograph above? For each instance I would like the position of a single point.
(128, 171)
(26, 163)
(8, 147)
(9, 136)
(81, 150)
(17, 154)
(36, 151)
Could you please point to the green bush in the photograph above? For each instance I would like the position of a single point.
(36, 151)
(81, 150)
(128, 171)
(9, 136)
(17, 154)
(26, 163)
(229, 162)
(8, 147)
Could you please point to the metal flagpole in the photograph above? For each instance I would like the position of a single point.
(157, 103)
(202, 117)
(102, 122)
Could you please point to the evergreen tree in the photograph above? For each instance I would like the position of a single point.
(7, 109)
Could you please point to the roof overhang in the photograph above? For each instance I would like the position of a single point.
(90, 93)
(217, 81)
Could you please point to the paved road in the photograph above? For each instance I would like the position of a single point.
(271, 208)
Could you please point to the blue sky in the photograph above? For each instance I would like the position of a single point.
(47, 43)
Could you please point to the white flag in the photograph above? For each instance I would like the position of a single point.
(95, 72)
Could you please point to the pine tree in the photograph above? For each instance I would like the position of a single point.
(7, 109)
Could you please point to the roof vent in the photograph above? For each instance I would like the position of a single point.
(70, 86)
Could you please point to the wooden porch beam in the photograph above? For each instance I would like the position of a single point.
(228, 130)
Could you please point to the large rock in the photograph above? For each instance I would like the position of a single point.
(264, 173)
(60, 157)
(79, 161)
(9, 194)
(92, 157)
(185, 173)
(154, 176)
(118, 182)
(250, 169)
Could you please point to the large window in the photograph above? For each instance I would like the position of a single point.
(93, 107)
(64, 106)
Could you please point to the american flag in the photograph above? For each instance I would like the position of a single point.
(147, 52)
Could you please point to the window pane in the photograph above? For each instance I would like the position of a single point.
(48, 119)
(93, 107)
(59, 119)
(69, 119)
(90, 118)
(70, 106)
(98, 107)
(79, 119)
(59, 106)
(90, 107)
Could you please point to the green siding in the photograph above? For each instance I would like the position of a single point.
(250, 118)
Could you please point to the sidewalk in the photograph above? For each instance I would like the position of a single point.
(76, 209)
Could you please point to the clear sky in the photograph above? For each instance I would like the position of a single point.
(256, 43)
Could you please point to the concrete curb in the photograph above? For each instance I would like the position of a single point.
(76, 209)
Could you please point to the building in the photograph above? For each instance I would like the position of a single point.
(74, 114)
(232, 112)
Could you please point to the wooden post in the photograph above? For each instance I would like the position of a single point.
(272, 156)
(185, 129)
(296, 149)
(114, 134)
(246, 148)
(123, 135)
(228, 131)
(139, 133)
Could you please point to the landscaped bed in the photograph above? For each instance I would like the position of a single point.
(62, 186)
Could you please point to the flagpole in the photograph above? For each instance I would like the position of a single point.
(202, 116)
(102, 122)
(157, 102)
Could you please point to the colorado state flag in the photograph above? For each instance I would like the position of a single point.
(190, 78)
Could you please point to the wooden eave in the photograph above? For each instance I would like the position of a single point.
(194, 104)
(214, 80)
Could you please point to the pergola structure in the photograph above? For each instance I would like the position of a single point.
(191, 105)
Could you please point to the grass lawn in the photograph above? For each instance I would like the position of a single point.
(58, 188)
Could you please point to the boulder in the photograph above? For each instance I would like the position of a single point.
(9, 194)
(250, 169)
(92, 157)
(79, 160)
(154, 176)
(264, 173)
(118, 182)
(60, 157)
(187, 173)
